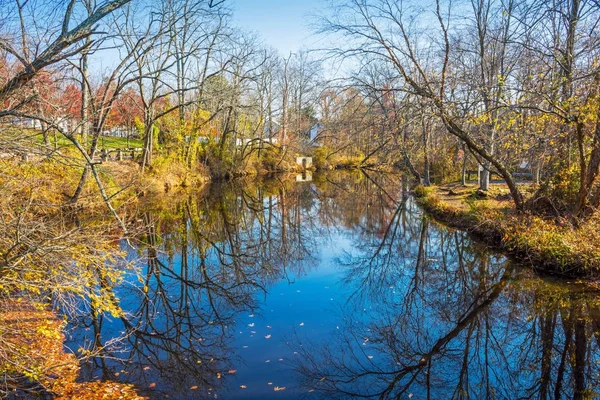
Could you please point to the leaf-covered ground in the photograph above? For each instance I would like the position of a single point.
(33, 361)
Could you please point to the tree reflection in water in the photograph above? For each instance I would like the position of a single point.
(430, 313)
(207, 262)
(444, 319)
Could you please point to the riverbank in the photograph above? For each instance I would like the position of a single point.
(35, 364)
(50, 254)
(71, 251)
(548, 246)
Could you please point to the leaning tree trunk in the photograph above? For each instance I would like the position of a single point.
(590, 174)
(484, 183)
(408, 163)
(426, 178)
(455, 130)
(87, 168)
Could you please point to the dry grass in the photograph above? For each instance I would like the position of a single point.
(548, 245)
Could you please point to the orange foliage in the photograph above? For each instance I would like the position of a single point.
(36, 336)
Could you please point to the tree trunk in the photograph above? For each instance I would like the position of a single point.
(464, 166)
(148, 144)
(589, 176)
(484, 179)
(426, 178)
(85, 98)
(86, 168)
(454, 129)
(81, 184)
(408, 163)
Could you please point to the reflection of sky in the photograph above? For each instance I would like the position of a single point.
(305, 308)
(339, 289)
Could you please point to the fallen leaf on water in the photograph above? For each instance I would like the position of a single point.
(218, 375)
(243, 386)
(152, 385)
(146, 368)
(194, 388)
(278, 389)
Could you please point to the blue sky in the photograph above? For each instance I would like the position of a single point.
(282, 24)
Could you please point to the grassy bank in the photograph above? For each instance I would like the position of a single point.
(549, 246)
(104, 142)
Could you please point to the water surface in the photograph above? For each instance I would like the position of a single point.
(336, 288)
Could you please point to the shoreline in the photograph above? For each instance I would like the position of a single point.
(43, 368)
(543, 245)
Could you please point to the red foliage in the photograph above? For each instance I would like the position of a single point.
(71, 101)
(125, 109)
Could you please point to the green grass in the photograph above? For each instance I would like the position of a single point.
(105, 142)
(119, 143)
